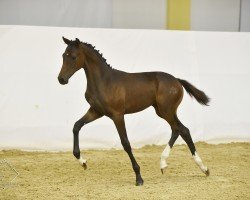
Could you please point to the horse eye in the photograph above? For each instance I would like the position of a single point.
(73, 57)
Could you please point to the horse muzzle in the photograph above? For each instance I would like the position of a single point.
(62, 81)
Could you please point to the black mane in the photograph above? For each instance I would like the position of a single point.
(97, 52)
(76, 43)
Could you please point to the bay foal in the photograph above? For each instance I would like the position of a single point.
(114, 93)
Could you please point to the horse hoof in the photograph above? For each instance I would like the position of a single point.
(84, 165)
(139, 183)
(163, 170)
(207, 172)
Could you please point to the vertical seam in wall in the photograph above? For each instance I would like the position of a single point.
(239, 28)
(167, 11)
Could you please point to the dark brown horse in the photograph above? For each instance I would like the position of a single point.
(114, 93)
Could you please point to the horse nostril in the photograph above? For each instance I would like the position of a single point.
(61, 80)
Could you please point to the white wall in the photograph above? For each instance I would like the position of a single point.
(215, 15)
(36, 112)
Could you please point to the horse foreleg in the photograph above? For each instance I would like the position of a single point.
(90, 116)
(120, 126)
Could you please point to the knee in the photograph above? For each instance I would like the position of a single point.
(77, 127)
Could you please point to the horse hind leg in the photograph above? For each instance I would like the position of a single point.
(179, 129)
(185, 134)
(166, 152)
(174, 136)
(168, 148)
(166, 106)
(169, 96)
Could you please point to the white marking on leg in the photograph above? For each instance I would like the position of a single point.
(164, 156)
(81, 160)
(198, 161)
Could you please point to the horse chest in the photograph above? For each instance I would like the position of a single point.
(95, 102)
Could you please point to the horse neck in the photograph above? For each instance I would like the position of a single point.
(95, 69)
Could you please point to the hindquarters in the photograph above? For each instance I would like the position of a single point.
(168, 96)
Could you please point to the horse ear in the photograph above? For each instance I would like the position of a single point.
(66, 40)
(77, 41)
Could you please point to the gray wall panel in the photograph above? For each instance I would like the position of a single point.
(215, 15)
(148, 14)
(245, 15)
(76, 13)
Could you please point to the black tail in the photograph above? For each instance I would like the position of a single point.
(199, 95)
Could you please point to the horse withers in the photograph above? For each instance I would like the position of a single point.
(114, 93)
